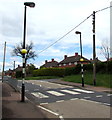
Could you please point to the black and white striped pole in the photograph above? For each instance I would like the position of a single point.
(81, 59)
(24, 51)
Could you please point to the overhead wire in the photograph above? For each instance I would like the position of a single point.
(72, 29)
(65, 34)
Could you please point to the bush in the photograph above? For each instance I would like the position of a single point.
(88, 67)
(73, 70)
(49, 72)
(101, 68)
(18, 74)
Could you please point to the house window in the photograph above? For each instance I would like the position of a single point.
(64, 64)
(75, 63)
(59, 64)
(70, 63)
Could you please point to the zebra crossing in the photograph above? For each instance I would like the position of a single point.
(60, 93)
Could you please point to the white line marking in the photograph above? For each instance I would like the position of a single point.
(87, 97)
(55, 93)
(89, 101)
(106, 104)
(43, 103)
(109, 95)
(60, 101)
(35, 89)
(57, 84)
(70, 92)
(39, 95)
(48, 110)
(61, 117)
(85, 91)
(74, 98)
(99, 95)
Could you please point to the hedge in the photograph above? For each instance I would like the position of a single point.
(49, 72)
(103, 67)
(73, 70)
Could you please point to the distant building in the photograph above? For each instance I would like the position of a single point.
(72, 61)
(50, 64)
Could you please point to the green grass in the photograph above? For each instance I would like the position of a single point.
(101, 79)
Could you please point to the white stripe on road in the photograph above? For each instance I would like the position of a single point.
(87, 97)
(48, 110)
(55, 93)
(61, 117)
(39, 95)
(85, 91)
(74, 98)
(109, 95)
(70, 92)
(60, 101)
(36, 90)
(43, 103)
(99, 96)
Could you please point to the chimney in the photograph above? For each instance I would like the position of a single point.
(18, 66)
(90, 59)
(65, 56)
(76, 54)
(52, 60)
(45, 61)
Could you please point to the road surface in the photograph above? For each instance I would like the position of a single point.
(67, 101)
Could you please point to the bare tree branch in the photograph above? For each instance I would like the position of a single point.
(30, 53)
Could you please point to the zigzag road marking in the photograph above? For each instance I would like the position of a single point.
(84, 91)
(55, 93)
(39, 95)
(70, 92)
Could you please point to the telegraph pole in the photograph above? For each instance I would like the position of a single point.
(4, 61)
(94, 52)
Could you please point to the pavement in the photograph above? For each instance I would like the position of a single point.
(13, 108)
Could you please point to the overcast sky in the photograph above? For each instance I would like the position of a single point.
(48, 22)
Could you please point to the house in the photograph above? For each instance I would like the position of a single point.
(50, 64)
(72, 61)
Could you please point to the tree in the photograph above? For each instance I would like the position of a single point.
(30, 53)
(105, 50)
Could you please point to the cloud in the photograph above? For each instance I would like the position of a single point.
(48, 22)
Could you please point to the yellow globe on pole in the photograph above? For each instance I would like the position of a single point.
(81, 59)
(23, 51)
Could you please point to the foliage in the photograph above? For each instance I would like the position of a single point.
(29, 69)
(73, 70)
(18, 74)
(30, 53)
(49, 72)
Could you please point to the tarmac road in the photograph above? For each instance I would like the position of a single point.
(68, 101)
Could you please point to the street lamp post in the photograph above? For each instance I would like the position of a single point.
(77, 32)
(24, 51)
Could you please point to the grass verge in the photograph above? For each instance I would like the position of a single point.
(103, 80)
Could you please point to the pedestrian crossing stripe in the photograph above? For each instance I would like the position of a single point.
(70, 92)
(84, 91)
(39, 95)
(55, 93)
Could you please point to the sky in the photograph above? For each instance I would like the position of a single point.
(47, 22)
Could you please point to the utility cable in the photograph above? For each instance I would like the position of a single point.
(73, 29)
(65, 34)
